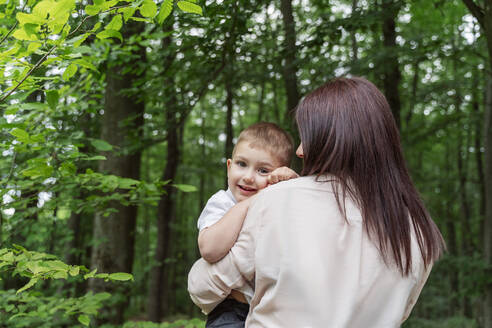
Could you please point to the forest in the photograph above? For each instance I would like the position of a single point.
(117, 117)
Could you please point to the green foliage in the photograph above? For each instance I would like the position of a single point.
(38, 267)
(32, 309)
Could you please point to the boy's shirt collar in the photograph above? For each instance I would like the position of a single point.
(230, 195)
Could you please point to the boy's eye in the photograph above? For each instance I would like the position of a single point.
(263, 170)
(241, 163)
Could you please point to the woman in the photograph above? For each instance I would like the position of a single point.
(348, 244)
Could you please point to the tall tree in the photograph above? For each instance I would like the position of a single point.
(289, 57)
(121, 127)
(157, 294)
(391, 73)
(483, 14)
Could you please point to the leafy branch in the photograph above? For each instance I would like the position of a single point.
(43, 59)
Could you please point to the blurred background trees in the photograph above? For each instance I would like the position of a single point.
(118, 116)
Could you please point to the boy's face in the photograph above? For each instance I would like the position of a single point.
(248, 170)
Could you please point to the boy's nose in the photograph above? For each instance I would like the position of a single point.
(248, 177)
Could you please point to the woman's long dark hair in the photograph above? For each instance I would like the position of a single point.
(347, 130)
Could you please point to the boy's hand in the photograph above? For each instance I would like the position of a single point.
(281, 174)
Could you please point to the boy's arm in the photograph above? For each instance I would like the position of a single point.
(215, 241)
(209, 284)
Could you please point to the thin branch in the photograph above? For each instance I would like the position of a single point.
(476, 11)
(13, 27)
(8, 34)
(50, 51)
(87, 17)
(12, 165)
(29, 73)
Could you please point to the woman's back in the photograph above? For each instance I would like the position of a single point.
(315, 269)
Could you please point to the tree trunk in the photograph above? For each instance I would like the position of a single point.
(391, 74)
(228, 122)
(261, 101)
(158, 293)
(487, 226)
(483, 14)
(121, 126)
(415, 85)
(353, 37)
(290, 66)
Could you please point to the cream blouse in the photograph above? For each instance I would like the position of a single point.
(308, 266)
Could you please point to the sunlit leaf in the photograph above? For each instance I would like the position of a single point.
(101, 145)
(166, 9)
(84, 319)
(69, 72)
(115, 24)
(20, 135)
(148, 8)
(185, 187)
(120, 276)
(52, 98)
(92, 10)
(31, 283)
(109, 34)
(85, 63)
(190, 7)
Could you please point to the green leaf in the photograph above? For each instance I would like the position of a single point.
(185, 187)
(101, 275)
(96, 27)
(101, 145)
(148, 8)
(95, 158)
(83, 319)
(69, 72)
(63, 213)
(9, 257)
(11, 110)
(90, 274)
(31, 283)
(25, 35)
(92, 10)
(120, 276)
(21, 135)
(189, 7)
(115, 24)
(60, 275)
(58, 265)
(74, 270)
(166, 9)
(127, 183)
(109, 34)
(24, 18)
(52, 97)
(33, 46)
(78, 40)
(128, 12)
(85, 63)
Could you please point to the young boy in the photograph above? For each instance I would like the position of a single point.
(260, 158)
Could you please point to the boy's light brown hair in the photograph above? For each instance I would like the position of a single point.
(272, 138)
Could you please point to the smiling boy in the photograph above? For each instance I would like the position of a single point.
(260, 158)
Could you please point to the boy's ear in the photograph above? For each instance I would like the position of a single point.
(229, 161)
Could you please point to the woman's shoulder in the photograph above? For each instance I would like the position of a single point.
(306, 182)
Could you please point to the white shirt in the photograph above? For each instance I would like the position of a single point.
(216, 207)
(310, 267)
